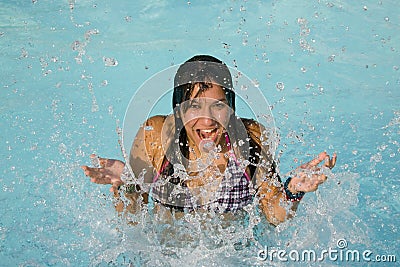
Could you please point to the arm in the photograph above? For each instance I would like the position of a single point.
(146, 157)
(143, 160)
(147, 151)
(278, 205)
(280, 201)
(267, 181)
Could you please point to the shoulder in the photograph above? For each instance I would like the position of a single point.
(159, 130)
(159, 123)
(253, 127)
(156, 121)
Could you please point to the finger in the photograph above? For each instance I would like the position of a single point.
(114, 189)
(96, 174)
(334, 157)
(321, 178)
(86, 169)
(330, 162)
(321, 157)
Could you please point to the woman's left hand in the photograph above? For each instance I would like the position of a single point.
(309, 175)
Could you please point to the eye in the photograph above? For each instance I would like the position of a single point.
(220, 105)
(194, 105)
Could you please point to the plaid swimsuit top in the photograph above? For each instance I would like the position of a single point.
(233, 192)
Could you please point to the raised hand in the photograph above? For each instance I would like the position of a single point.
(309, 176)
(108, 172)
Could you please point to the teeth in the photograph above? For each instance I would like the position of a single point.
(207, 134)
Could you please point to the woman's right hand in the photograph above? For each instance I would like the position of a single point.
(109, 172)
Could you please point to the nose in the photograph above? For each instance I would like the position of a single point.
(207, 121)
(207, 117)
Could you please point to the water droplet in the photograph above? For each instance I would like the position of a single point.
(24, 53)
(110, 62)
(309, 86)
(256, 83)
(91, 32)
(376, 158)
(280, 86)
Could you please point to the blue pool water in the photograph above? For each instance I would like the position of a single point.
(329, 69)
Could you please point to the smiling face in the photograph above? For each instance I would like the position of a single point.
(205, 115)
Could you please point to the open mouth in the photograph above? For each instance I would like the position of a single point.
(209, 134)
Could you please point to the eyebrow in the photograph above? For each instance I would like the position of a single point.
(216, 100)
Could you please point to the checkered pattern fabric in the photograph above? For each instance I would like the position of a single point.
(233, 192)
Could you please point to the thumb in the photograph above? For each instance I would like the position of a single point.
(115, 187)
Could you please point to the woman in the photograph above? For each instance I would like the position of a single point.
(203, 157)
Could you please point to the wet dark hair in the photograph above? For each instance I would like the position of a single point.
(202, 69)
